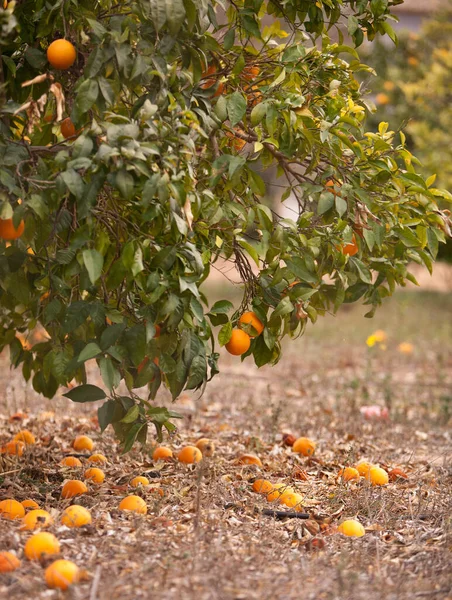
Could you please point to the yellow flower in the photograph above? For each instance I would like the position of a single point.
(405, 348)
(380, 336)
(371, 341)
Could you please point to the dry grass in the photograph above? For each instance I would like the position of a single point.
(204, 538)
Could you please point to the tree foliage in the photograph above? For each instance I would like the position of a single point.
(178, 106)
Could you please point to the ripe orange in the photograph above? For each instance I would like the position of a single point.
(382, 98)
(211, 81)
(253, 94)
(67, 128)
(36, 519)
(206, 446)
(250, 72)
(13, 448)
(26, 437)
(377, 476)
(189, 455)
(41, 544)
(239, 343)
(61, 574)
(162, 453)
(363, 468)
(8, 231)
(97, 458)
(71, 461)
(29, 504)
(351, 528)
(249, 459)
(72, 488)
(262, 486)
(330, 187)
(133, 504)
(137, 481)
(349, 474)
(8, 562)
(251, 324)
(158, 331)
(61, 54)
(83, 442)
(236, 142)
(11, 509)
(350, 249)
(292, 500)
(304, 446)
(95, 475)
(75, 516)
(278, 490)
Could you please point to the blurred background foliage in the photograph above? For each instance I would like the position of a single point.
(412, 91)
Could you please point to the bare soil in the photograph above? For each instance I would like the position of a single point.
(206, 538)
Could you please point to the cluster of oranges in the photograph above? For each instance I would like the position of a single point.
(43, 544)
(250, 326)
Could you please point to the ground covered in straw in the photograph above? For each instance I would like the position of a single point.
(207, 537)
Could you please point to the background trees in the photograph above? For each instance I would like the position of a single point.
(135, 166)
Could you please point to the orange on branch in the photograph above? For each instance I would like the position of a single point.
(8, 231)
(250, 72)
(67, 128)
(239, 343)
(61, 54)
(252, 325)
(351, 248)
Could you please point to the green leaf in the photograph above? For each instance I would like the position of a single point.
(132, 436)
(341, 205)
(106, 414)
(225, 334)
(229, 39)
(298, 267)
(86, 393)
(110, 375)
(363, 271)
(110, 335)
(73, 182)
(131, 415)
(236, 105)
(94, 262)
(90, 351)
(326, 201)
(86, 95)
(222, 306)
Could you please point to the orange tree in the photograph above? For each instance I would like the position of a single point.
(131, 153)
